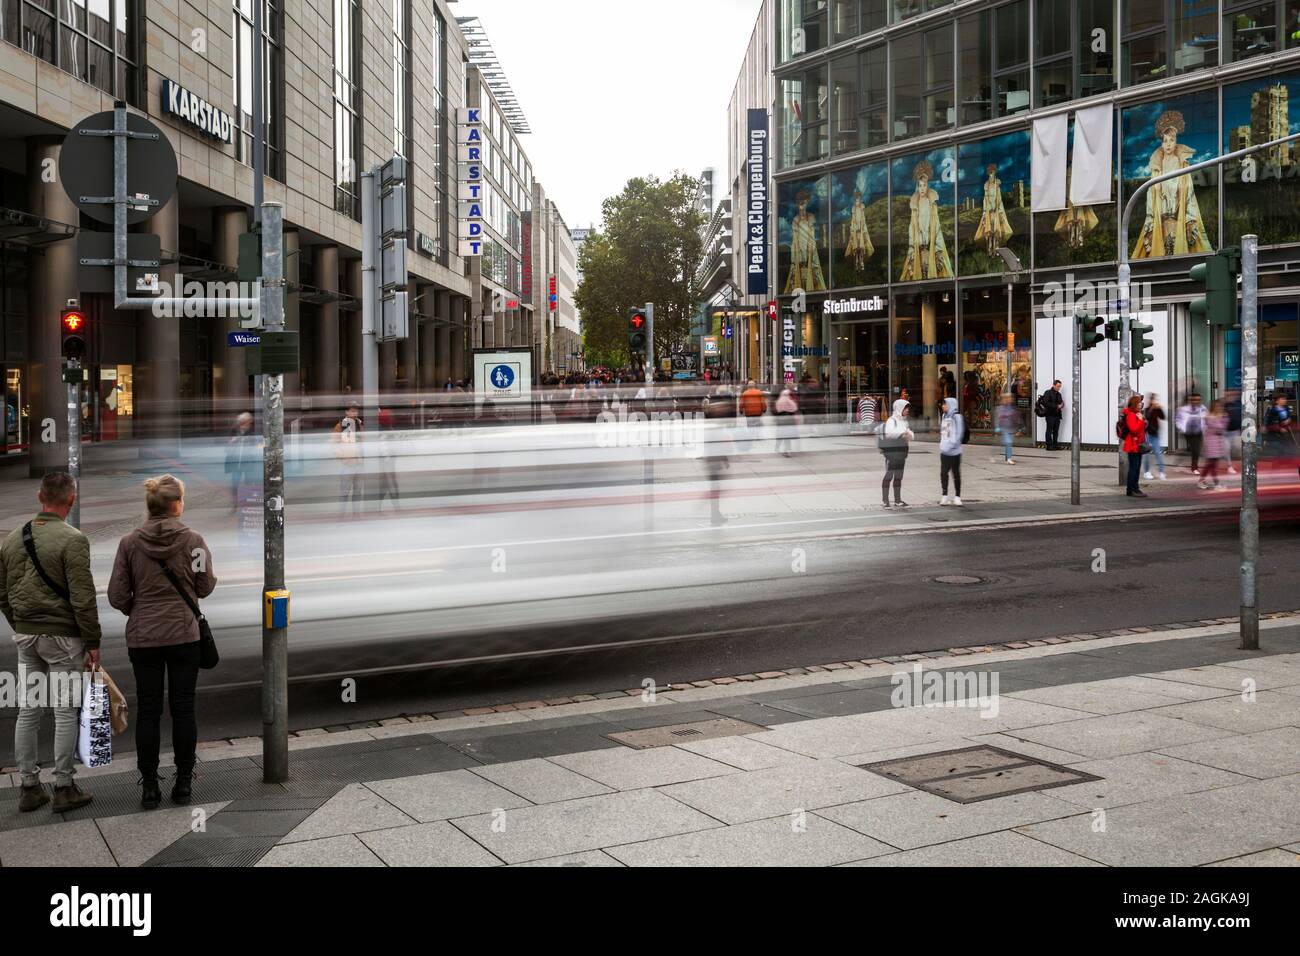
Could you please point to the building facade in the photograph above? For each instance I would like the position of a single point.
(911, 256)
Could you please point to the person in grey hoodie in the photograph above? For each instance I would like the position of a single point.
(952, 430)
(162, 633)
(893, 440)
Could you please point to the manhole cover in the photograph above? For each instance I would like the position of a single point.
(977, 773)
(958, 579)
(676, 733)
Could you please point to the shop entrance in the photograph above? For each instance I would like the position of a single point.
(862, 367)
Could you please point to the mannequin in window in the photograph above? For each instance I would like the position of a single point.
(927, 253)
(1173, 225)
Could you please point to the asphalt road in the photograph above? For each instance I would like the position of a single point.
(731, 608)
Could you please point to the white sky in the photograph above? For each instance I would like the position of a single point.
(614, 89)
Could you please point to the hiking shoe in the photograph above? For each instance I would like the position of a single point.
(181, 789)
(150, 792)
(33, 798)
(69, 798)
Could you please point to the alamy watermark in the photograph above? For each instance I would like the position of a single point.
(1100, 297)
(222, 300)
(621, 427)
(921, 688)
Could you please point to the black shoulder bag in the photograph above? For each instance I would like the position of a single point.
(30, 544)
(208, 656)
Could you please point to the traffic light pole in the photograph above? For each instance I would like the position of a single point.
(649, 343)
(74, 438)
(1125, 273)
(1249, 442)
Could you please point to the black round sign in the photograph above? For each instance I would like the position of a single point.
(86, 167)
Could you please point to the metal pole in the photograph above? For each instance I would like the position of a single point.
(275, 641)
(650, 343)
(1076, 415)
(1249, 442)
(74, 442)
(369, 297)
(259, 148)
(1125, 390)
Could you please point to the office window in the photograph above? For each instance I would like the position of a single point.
(906, 54)
(804, 117)
(401, 84)
(844, 104)
(1095, 43)
(438, 165)
(873, 96)
(1011, 59)
(975, 54)
(94, 40)
(1252, 29)
(347, 102)
(802, 27)
(271, 83)
(940, 110)
(901, 10)
(1053, 53)
(851, 18)
(1159, 34)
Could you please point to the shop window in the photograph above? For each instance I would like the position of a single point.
(924, 353)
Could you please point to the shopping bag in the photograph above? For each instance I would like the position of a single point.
(116, 704)
(95, 728)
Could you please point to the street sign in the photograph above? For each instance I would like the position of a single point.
(140, 247)
(86, 167)
(242, 339)
(275, 354)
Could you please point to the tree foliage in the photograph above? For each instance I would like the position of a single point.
(647, 249)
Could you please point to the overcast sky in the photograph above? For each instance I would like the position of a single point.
(614, 89)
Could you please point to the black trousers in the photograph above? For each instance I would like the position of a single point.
(1053, 429)
(950, 464)
(893, 475)
(179, 664)
(1194, 442)
(1134, 472)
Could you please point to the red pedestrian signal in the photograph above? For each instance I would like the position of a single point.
(72, 325)
(636, 332)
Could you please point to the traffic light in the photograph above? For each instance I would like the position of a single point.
(1115, 330)
(1140, 345)
(73, 327)
(1089, 336)
(1218, 274)
(636, 331)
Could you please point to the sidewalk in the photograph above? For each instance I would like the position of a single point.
(1165, 747)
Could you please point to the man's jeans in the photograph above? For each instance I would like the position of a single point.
(49, 670)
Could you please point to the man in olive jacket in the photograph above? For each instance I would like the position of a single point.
(57, 636)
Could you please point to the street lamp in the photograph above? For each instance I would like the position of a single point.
(1013, 267)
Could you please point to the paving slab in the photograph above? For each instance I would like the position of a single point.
(540, 781)
(803, 839)
(1263, 858)
(1268, 710)
(1117, 734)
(1097, 697)
(589, 823)
(1269, 753)
(134, 838)
(78, 844)
(427, 844)
(760, 794)
(352, 810)
(1004, 848)
(1141, 683)
(839, 736)
(505, 747)
(441, 796)
(1273, 667)
(915, 819)
(744, 753)
(626, 769)
(587, 858)
(332, 851)
(1222, 676)
(1137, 778)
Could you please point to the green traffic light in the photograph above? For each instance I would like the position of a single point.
(1141, 346)
(1218, 274)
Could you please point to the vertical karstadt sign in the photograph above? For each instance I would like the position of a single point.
(756, 245)
(471, 182)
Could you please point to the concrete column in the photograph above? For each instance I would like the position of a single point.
(52, 280)
(442, 334)
(323, 375)
(353, 336)
(292, 310)
(427, 378)
(388, 367)
(408, 350)
(158, 353)
(230, 381)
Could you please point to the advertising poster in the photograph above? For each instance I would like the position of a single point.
(803, 236)
(860, 214)
(925, 193)
(1260, 190)
(993, 208)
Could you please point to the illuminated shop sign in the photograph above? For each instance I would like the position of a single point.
(875, 304)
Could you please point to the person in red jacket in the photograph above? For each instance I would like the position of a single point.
(1135, 436)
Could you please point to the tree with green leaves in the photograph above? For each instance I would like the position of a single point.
(647, 249)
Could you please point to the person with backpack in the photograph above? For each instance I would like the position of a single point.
(1005, 422)
(1131, 429)
(1190, 421)
(787, 412)
(1155, 414)
(953, 433)
(1050, 406)
(161, 571)
(47, 594)
(893, 438)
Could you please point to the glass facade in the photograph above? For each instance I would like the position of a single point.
(272, 80)
(347, 107)
(97, 41)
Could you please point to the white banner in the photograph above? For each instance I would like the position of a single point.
(1091, 170)
(1047, 173)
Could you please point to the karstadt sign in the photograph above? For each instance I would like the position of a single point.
(197, 112)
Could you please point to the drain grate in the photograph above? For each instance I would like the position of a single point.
(675, 733)
(960, 579)
(973, 774)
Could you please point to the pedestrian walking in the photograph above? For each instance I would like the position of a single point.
(718, 408)
(1190, 421)
(1132, 430)
(161, 572)
(1049, 407)
(346, 439)
(1216, 445)
(1232, 408)
(787, 423)
(893, 440)
(1005, 421)
(952, 434)
(47, 595)
(1279, 429)
(243, 461)
(387, 464)
(1155, 415)
(753, 404)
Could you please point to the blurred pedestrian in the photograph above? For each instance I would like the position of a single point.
(47, 595)
(1132, 430)
(952, 433)
(753, 404)
(893, 440)
(1005, 421)
(1216, 444)
(719, 408)
(787, 412)
(1190, 420)
(1232, 408)
(242, 457)
(387, 464)
(1155, 415)
(1279, 429)
(161, 572)
(346, 439)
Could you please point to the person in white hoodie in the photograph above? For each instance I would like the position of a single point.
(952, 431)
(893, 438)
